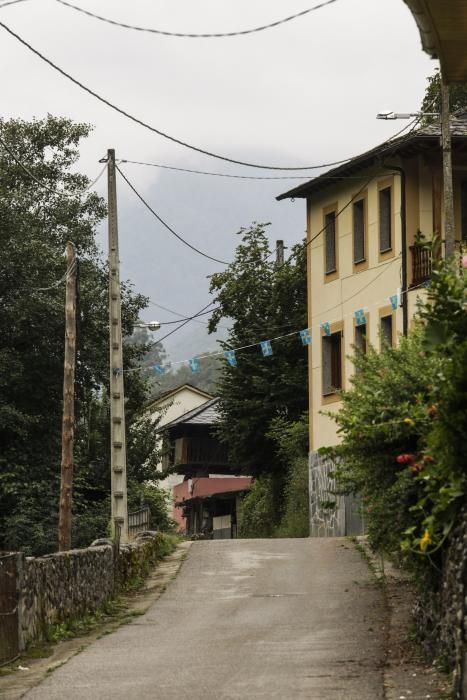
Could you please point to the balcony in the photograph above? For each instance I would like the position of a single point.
(421, 264)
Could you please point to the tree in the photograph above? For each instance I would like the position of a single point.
(36, 221)
(262, 301)
(432, 98)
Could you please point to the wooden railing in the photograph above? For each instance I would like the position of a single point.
(421, 264)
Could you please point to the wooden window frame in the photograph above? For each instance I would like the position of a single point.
(384, 313)
(363, 263)
(333, 396)
(384, 255)
(334, 274)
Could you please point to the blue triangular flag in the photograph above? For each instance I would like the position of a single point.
(394, 299)
(158, 369)
(305, 336)
(360, 318)
(266, 348)
(230, 357)
(326, 328)
(194, 364)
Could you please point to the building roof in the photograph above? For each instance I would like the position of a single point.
(207, 414)
(416, 141)
(443, 31)
(173, 392)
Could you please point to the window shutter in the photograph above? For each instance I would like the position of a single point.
(385, 219)
(359, 231)
(330, 248)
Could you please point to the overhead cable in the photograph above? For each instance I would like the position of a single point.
(210, 35)
(165, 224)
(169, 137)
(204, 172)
(11, 2)
(153, 128)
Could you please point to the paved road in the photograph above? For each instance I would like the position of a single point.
(245, 619)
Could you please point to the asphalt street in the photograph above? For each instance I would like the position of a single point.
(247, 619)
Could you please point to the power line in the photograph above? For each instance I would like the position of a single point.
(153, 128)
(236, 177)
(165, 224)
(200, 313)
(204, 172)
(11, 2)
(243, 32)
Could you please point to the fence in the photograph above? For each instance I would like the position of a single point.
(139, 520)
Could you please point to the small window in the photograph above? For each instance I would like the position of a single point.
(332, 363)
(330, 242)
(359, 231)
(360, 338)
(386, 330)
(385, 217)
(464, 210)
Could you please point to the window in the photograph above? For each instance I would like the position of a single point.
(386, 330)
(359, 231)
(330, 242)
(360, 337)
(332, 363)
(464, 210)
(385, 217)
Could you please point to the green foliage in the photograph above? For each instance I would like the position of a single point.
(432, 98)
(258, 511)
(262, 302)
(403, 425)
(157, 498)
(206, 378)
(35, 225)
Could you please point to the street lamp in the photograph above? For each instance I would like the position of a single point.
(388, 115)
(150, 325)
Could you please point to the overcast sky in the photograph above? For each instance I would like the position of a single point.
(303, 93)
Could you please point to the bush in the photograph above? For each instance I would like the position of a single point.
(258, 514)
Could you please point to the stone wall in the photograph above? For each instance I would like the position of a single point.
(67, 585)
(440, 614)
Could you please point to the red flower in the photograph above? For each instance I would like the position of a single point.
(404, 459)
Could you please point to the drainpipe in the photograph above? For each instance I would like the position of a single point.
(405, 296)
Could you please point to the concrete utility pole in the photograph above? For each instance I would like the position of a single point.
(68, 424)
(280, 252)
(117, 396)
(448, 196)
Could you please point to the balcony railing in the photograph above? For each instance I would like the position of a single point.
(421, 264)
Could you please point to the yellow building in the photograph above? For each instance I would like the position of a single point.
(367, 221)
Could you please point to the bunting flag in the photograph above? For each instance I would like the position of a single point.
(194, 364)
(230, 357)
(158, 369)
(360, 318)
(394, 299)
(326, 327)
(266, 348)
(305, 336)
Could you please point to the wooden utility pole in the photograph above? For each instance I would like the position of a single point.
(280, 252)
(68, 423)
(448, 196)
(117, 396)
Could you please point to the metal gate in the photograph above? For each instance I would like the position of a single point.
(9, 640)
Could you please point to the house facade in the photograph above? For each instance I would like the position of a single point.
(171, 405)
(369, 226)
(207, 497)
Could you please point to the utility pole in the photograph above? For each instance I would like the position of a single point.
(280, 252)
(117, 396)
(448, 196)
(68, 422)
